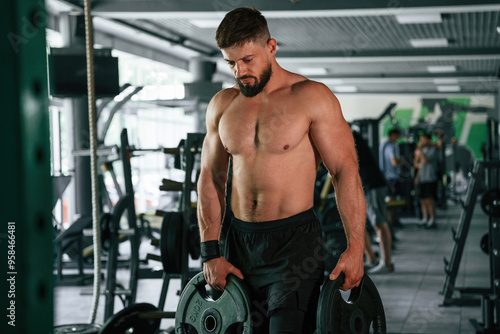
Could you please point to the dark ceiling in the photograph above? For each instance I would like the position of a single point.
(353, 46)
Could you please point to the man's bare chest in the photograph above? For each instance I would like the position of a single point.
(272, 129)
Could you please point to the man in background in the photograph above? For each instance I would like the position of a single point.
(389, 164)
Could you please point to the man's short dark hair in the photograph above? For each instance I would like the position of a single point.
(394, 132)
(426, 135)
(242, 25)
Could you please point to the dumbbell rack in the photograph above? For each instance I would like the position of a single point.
(487, 297)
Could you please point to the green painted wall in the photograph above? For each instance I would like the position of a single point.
(458, 123)
(477, 135)
(404, 117)
(477, 138)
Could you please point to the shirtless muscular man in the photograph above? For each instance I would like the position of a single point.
(277, 127)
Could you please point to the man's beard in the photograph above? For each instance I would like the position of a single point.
(252, 90)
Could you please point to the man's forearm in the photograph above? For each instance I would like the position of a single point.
(396, 161)
(351, 206)
(211, 205)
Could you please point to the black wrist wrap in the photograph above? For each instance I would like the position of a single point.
(209, 250)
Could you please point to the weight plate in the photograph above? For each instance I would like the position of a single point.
(362, 312)
(199, 313)
(105, 223)
(485, 243)
(490, 202)
(77, 329)
(129, 320)
(171, 242)
(194, 237)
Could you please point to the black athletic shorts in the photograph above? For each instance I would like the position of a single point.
(283, 265)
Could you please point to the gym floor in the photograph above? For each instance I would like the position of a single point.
(411, 294)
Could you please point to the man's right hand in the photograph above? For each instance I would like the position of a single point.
(216, 271)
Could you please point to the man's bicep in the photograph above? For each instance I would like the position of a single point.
(215, 160)
(329, 130)
(335, 144)
(213, 153)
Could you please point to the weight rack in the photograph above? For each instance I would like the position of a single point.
(490, 303)
(125, 203)
(187, 154)
(460, 236)
(487, 297)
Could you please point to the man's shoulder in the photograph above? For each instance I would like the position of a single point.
(304, 85)
(387, 146)
(386, 143)
(314, 93)
(223, 98)
(220, 102)
(225, 95)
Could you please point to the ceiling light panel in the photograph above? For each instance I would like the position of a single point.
(312, 71)
(445, 81)
(205, 23)
(448, 88)
(441, 69)
(419, 19)
(429, 43)
(345, 89)
(330, 81)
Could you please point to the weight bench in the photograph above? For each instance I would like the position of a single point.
(73, 236)
(395, 204)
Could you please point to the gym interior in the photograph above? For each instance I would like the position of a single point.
(103, 126)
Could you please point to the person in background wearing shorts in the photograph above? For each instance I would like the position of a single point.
(389, 164)
(375, 188)
(426, 158)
